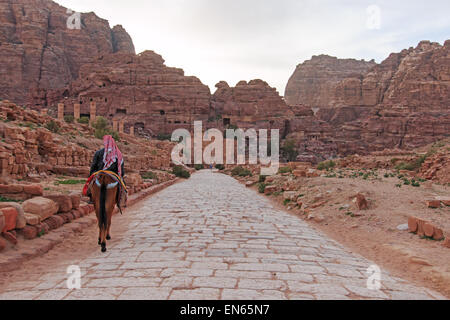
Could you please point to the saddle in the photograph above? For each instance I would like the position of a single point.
(122, 195)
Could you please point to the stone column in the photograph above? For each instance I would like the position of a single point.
(93, 111)
(61, 111)
(121, 126)
(132, 131)
(76, 111)
(115, 125)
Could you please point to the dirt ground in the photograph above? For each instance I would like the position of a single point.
(373, 233)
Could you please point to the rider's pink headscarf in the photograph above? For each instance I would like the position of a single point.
(112, 153)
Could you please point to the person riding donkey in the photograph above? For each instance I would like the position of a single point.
(109, 159)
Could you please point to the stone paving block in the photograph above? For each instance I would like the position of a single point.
(145, 294)
(247, 294)
(215, 282)
(196, 294)
(260, 284)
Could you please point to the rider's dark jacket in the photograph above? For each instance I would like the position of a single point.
(97, 164)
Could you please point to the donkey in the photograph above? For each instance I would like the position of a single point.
(104, 195)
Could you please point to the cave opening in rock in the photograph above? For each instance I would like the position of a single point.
(121, 111)
(226, 121)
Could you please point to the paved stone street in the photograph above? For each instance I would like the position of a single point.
(211, 238)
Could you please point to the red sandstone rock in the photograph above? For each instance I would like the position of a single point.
(54, 222)
(34, 189)
(10, 215)
(412, 224)
(10, 236)
(29, 232)
(314, 81)
(32, 219)
(40, 206)
(434, 204)
(361, 202)
(76, 198)
(64, 201)
(43, 52)
(270, 189)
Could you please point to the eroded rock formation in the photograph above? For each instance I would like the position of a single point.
(39, 52)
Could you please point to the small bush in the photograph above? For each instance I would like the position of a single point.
(180, 172)
(69, 119)
(70, 181)
(198, 167)
(261, 187)
(262, 179)
(241, 172)
(286, 201)
(3, 199)
(83, 120)
(285, 170)
(149, 175)
(326, 165)
(220, 167)
(53, 126)
(164, 136)
(102, 129)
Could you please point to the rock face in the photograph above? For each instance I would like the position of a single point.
(313, 82)
(38, 51)
(249, 105)
(401, 103)
(139, 89)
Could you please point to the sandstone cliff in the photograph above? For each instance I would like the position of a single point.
(38, 50)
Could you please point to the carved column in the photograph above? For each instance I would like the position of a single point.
(76, 111)
(121, 126)
(115, 125)
(93, 111)
(61, 111)
(132, 131)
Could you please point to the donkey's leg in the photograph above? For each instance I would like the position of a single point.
(103, 239)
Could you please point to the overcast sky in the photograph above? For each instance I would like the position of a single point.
(235, 40)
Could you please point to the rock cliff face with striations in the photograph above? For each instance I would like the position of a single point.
(38, 51)
(252, 104)
(138, 89)
(314, 81)
(404, 102)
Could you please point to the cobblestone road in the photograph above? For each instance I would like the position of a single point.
(211, 238)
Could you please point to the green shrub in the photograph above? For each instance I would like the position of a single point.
(69, 182)
(220, 167)
(149, 175)
(286, 201)
(69, 119)
(102, 128)
(180, 172)
(261, 187)
(241, 172)
(326, 165)
(285, 170)
(164, 136)
(53, 126)
(198, 167)
(3, 199)
(289, 151)
(262, 179)
(83, 120)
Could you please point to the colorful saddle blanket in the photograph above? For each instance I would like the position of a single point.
(123, 193)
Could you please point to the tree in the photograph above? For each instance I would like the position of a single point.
(289, 151)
